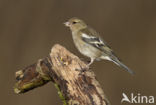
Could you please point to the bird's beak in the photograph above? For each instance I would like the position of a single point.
(67, 24)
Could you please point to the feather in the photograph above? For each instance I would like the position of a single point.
(96, 41)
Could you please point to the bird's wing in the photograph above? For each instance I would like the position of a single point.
(91, 37)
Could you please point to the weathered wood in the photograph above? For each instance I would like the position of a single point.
(76, 83)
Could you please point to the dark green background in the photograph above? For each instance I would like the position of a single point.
(29, 28)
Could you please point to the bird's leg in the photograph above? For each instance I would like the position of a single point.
(91, 61)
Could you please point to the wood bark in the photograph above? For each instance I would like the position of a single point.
(75, 82)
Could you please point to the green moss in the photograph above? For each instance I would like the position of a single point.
(18, 88)
(46, 78)
(60, 94)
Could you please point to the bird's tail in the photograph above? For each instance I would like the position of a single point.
(119, 63)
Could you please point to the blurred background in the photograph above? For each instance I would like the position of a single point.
(29, 28)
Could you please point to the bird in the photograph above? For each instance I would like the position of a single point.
(90, 44)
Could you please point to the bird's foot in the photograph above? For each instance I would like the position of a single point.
(84, 68)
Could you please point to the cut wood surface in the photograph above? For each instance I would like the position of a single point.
(75, 82)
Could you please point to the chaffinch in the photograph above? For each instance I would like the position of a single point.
(90, 44)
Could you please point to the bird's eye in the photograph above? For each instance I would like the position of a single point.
(74, 22)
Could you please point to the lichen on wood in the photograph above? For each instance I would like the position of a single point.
(75, 82)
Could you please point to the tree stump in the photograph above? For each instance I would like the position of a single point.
(75, 82)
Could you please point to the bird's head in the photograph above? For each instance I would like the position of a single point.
(75, 24)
